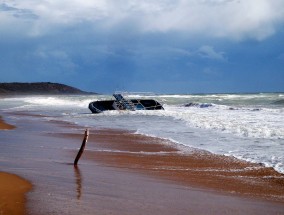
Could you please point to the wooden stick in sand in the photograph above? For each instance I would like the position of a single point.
(82, 147)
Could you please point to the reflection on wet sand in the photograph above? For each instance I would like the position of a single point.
(78, 178)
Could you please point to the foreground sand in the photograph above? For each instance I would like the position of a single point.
(12, 194)
(125, 173)
(12, 187)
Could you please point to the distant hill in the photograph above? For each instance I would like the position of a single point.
(38, 88)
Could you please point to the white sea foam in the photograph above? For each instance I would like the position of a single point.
(243, 121)
(50, 101)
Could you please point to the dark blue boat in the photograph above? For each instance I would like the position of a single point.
(121, 103)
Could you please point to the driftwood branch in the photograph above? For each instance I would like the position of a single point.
(82, 147)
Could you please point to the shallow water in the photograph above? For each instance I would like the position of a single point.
(246, 126)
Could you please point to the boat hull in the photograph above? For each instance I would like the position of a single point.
(139, 104)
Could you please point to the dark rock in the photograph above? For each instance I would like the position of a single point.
(205, 105)
(191, 104)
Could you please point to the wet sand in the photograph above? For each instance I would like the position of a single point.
(12, 187)
(4, 125)
(125, 173)
(154, 156)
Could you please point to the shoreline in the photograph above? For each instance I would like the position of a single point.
(125, 173)
(195, 168)
(5, 126)
(13, 188)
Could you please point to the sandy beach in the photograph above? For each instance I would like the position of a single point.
(182, 101)
(12, 194)
(12, 188)
(125, 173)
(4, 125)
(154, 156)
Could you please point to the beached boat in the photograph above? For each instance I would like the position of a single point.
(121, 103)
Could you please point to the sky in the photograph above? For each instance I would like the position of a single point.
(161, 46)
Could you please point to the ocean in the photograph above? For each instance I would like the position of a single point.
(249, 127)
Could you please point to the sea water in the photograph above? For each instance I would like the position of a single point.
(246, 126)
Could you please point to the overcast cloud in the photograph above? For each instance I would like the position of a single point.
(235, 19)
(105, 40)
